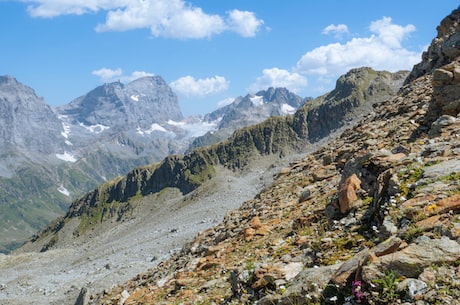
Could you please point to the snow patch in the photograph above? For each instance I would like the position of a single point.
(98, 128)
(66, 157)
(195, 129)
(63, 190)
(257, 100)
(135, 97)
(174, 123)
(153, 127)
(66, 128)
(287, 109)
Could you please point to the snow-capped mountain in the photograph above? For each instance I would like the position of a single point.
(51, 156)
(249, 110)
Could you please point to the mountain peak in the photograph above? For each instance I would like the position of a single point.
(12, 89)
(142, 102)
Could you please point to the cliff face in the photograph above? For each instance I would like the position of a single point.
(442, 61)
(444, 49)
(352, 98)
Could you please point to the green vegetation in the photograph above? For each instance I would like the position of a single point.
(387, 287)
(408, 177)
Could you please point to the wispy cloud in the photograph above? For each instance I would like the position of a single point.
(107, 75)
(337, 30)
(164, 18)
(225, 102)
(188, 86)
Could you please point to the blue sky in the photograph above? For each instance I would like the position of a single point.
(209, 52)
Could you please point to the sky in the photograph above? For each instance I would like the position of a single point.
(209, 52)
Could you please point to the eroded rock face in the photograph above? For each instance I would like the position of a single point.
(444, 49)
(446, 92)
(442, 60)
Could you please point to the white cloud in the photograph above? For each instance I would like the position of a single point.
(244, 23)
(109, 75)
(338, 30)
(137, 74)
(381, 51)
(391, 34)
(164, 18)
(190, 87)
(275, 77)
(54, 8)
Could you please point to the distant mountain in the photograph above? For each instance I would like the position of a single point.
(50, 156)
(137, 104)
(249, 110)
(27, 125)
(30, 135)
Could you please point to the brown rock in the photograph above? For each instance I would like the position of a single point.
(347, 193)
(429, 223)
(249, 234)
(455, 231)
(258, 226)
(386, 247)
(324, 173)
(350, 267)
(445, 205)
(418, 201)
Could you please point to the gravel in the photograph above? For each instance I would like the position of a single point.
(119, 251)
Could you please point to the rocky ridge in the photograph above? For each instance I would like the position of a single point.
(149, 212)
(370, 218)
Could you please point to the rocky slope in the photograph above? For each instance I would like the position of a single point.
(370, 218)
(133, 222)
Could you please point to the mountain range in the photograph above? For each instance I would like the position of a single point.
(351, 199)
(50, 156)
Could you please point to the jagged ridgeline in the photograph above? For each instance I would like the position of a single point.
(352, 99)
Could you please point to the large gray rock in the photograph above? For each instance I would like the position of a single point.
(411, 260)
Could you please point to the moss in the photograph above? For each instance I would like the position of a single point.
(408, 177)
(101, 212)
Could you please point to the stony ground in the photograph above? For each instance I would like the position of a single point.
(157, 228)
(370, 218)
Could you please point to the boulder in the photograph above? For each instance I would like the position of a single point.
(411, 260)
(347, 193)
